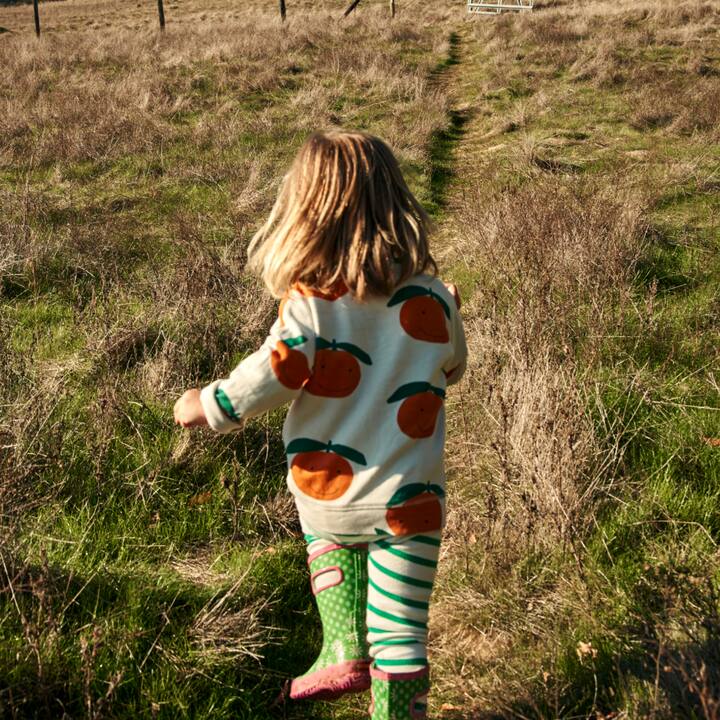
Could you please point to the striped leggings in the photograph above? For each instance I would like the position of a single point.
(400, 576)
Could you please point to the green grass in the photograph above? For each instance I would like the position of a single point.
(132, 530)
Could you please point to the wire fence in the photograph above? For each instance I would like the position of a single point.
(282, 7)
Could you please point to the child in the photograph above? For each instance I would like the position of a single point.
(364, 346)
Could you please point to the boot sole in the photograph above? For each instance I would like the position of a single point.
(332, 682)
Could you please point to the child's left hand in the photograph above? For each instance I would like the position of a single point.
(188, 409)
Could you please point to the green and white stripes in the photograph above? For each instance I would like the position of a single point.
(401, 572)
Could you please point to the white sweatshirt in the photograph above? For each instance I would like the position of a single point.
(365, 432)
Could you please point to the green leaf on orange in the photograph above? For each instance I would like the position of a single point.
(437, 489)
(347, 452)
(301, 445)
(323, 344)
(361, 355)
(407, 492)
(445, 307)
(294, 342)
(407, 293)
(410, 389)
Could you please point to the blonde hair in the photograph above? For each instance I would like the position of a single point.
(344, 216)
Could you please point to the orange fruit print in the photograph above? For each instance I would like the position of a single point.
(321, 475)
(321, 470)
(423, 319)
(423, 314)
(336, 372)
(418, 413)
(415, 508)
(290, 366)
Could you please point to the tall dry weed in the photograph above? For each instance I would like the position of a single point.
(556, 259)
(531, 453)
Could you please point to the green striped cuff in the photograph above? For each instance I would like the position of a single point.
(394, 663)
(225, 405)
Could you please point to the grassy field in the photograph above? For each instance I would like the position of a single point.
(571, 160)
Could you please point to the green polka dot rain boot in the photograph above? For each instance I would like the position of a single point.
(399, 696)
(339, 582)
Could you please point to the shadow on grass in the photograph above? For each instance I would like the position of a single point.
(682, 682)
(664, 266)
(67, 636)
(442, 159)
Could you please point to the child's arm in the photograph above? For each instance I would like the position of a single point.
(272, 376)
(456, 367)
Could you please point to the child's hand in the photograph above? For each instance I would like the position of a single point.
(452, 289)
(189, 410)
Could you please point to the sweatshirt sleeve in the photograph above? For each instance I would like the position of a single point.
(272, 376)
(455, 367)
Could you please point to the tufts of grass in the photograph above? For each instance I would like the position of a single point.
(568, 156)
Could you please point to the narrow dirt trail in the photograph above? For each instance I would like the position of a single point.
(463, 148)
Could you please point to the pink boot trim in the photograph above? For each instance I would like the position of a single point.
(332, 682)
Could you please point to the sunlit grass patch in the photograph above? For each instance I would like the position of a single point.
(579, 627)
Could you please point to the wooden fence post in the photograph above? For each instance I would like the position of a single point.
(283, 12)
(36, 10)
(161, 13)
(353, 5)
(392, 8)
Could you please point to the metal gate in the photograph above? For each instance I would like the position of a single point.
(493, 8)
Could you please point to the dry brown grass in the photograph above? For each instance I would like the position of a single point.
(532, 458)
(81, 96)
(227, 631)
(684, 108)
(606, 43)
(530, 467)
(556, 260)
